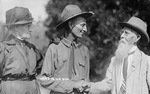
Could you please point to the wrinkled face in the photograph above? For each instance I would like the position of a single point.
(24, 31)
(129, 37)
(78, 27)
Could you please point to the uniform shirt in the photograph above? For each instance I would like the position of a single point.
(56, 65)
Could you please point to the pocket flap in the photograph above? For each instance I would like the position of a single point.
(82, 63)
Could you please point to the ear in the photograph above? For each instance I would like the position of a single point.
(70, 25)
(138, 38)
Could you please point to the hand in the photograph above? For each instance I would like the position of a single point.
(78, 86)
(86, 86)
(43, 78)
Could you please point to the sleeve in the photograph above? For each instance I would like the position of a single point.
(39, 60)
(104, 85)
(64, 86)
(148, 72)
(2, 57)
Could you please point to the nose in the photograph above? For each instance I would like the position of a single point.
(122, 35)
(84, 28)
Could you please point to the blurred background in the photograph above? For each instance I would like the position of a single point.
(103, 28)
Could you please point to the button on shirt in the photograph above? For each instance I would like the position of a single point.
(56, 65)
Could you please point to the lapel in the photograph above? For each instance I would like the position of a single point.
(135, 61)
(14, 41)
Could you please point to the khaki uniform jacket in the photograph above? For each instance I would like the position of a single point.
(17, 61)
(138, 76)
(56, 65)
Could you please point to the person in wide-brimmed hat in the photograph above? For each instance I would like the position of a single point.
(18, 16)
(15, 17)
(139, 27)
(129, 70)
(67, 63)
(18, 57)
(70, 12)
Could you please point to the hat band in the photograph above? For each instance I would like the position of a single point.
(20, 22)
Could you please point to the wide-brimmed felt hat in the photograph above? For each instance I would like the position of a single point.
(18, 16)
(72, 11)
(138, 26)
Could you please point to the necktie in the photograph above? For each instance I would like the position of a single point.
(71, 61)
(125, 67)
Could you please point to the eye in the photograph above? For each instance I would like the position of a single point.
(84, 25)
(126, 32)
(81, 25)
(28, 26)
(122, 31)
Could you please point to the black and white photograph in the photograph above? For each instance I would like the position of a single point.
(74, 46)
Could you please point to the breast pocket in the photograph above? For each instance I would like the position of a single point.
(61, 63)
(81, 63)
(61, 59)
(82, 69)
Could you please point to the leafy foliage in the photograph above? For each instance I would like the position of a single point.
(103, 27)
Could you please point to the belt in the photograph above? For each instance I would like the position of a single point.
(74, 92)
(54, 92)
(22, 77)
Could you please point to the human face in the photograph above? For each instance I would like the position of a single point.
(24, 31)
(79, 27)
(129, 37)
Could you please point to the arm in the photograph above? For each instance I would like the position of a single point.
(104, 85)
(48, 70)
(2, 56)
(39, 60)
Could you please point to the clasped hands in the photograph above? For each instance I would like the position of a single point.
(82, 86)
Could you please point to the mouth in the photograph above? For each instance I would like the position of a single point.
(121, 41)
(82, 31)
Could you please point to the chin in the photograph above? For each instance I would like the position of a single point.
(79, 36)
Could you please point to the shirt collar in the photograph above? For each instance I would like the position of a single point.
(132, 50)
(67, 42)
(13, 40)
(10, 42)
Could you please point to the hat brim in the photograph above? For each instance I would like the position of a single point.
(20, 23)
(85, 15)
(144, 36)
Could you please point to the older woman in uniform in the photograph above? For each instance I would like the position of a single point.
(18, 58)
